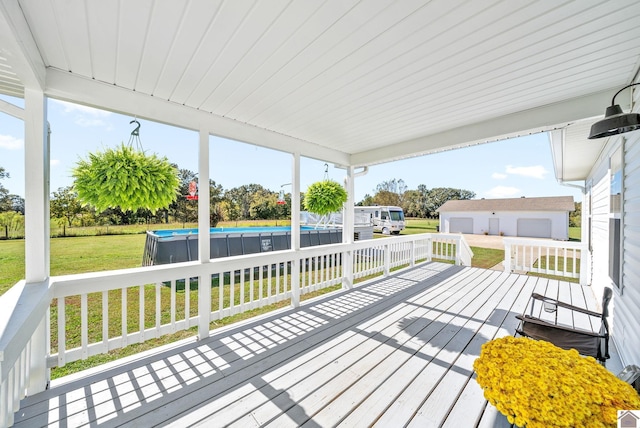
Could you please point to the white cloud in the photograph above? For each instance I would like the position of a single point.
(72, 108)
(54, 162)
(85, 116)
(536, 171)
(10, 143)
(498, 176)
(87, 122)
(503, 192)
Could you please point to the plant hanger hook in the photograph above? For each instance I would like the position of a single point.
(326, 171)
(135, 134)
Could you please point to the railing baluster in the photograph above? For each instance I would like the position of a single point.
(232, 290)
(15, 383)
(173, 306)
(4, 403)
(105, 321)
(11, 396)
(187, 303)
(241, 290)
(19, 384)
(124, 316)
(251, 286)
(84, 325)
(141, 310)
(270, 268)
(62, 334)
(261, 285)
(158, 311)
(25, 357)
(221, 293)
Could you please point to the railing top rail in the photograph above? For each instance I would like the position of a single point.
(544, 242)
(22, 310)
(114, 279)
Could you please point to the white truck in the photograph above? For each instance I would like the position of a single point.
(385, 219)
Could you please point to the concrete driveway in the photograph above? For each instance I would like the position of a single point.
(484, 241)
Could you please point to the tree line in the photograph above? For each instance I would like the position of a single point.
(421, 202)
(246, 202)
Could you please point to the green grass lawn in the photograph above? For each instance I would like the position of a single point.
(575, 234)
(74, 255)
(419, 225)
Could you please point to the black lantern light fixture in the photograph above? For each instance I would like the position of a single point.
(615, 120)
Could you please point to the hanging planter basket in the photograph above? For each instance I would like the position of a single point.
(325, 197)
(126, 178)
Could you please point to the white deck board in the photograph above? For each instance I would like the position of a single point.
(397, 351)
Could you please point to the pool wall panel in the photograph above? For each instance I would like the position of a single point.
(183, 247)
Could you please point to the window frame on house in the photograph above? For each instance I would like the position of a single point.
(616, 208)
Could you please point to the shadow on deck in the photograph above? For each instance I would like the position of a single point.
(391, 352)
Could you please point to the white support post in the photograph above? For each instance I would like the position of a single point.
(295, 230)
(37, 247)
(204, 251)
(348, 222)
(348, 230)
(36, 187)
(204, 209)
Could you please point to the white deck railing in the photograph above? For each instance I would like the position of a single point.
(559, 258)
(74, 317)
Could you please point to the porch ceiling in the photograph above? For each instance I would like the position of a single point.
(352, 82)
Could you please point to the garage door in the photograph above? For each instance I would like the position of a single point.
(461, 225)
(534, 227)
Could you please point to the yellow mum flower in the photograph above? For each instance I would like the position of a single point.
(536, 384)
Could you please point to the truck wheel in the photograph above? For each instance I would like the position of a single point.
(385, 231)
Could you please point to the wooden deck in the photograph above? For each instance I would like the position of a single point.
(392, 352)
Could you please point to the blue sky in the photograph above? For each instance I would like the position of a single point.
(511, 168)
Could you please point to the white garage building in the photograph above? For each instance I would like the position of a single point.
(527, 217)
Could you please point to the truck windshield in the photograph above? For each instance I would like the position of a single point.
(397, 215)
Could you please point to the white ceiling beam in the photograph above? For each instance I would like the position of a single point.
(525, 122)
(69, 87)
(18, 46)
(11, 110)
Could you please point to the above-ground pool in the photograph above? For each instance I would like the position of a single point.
(181, 245)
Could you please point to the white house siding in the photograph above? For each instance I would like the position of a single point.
(598, 188)
(627, 310)
(625, 317)
(508, 221)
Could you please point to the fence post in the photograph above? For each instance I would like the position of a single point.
(584, 270)
(347, 269)
(507, 255)
(38, 372)
(204, 304)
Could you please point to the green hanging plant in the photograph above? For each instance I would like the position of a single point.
(325, 197)
(126, 178)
